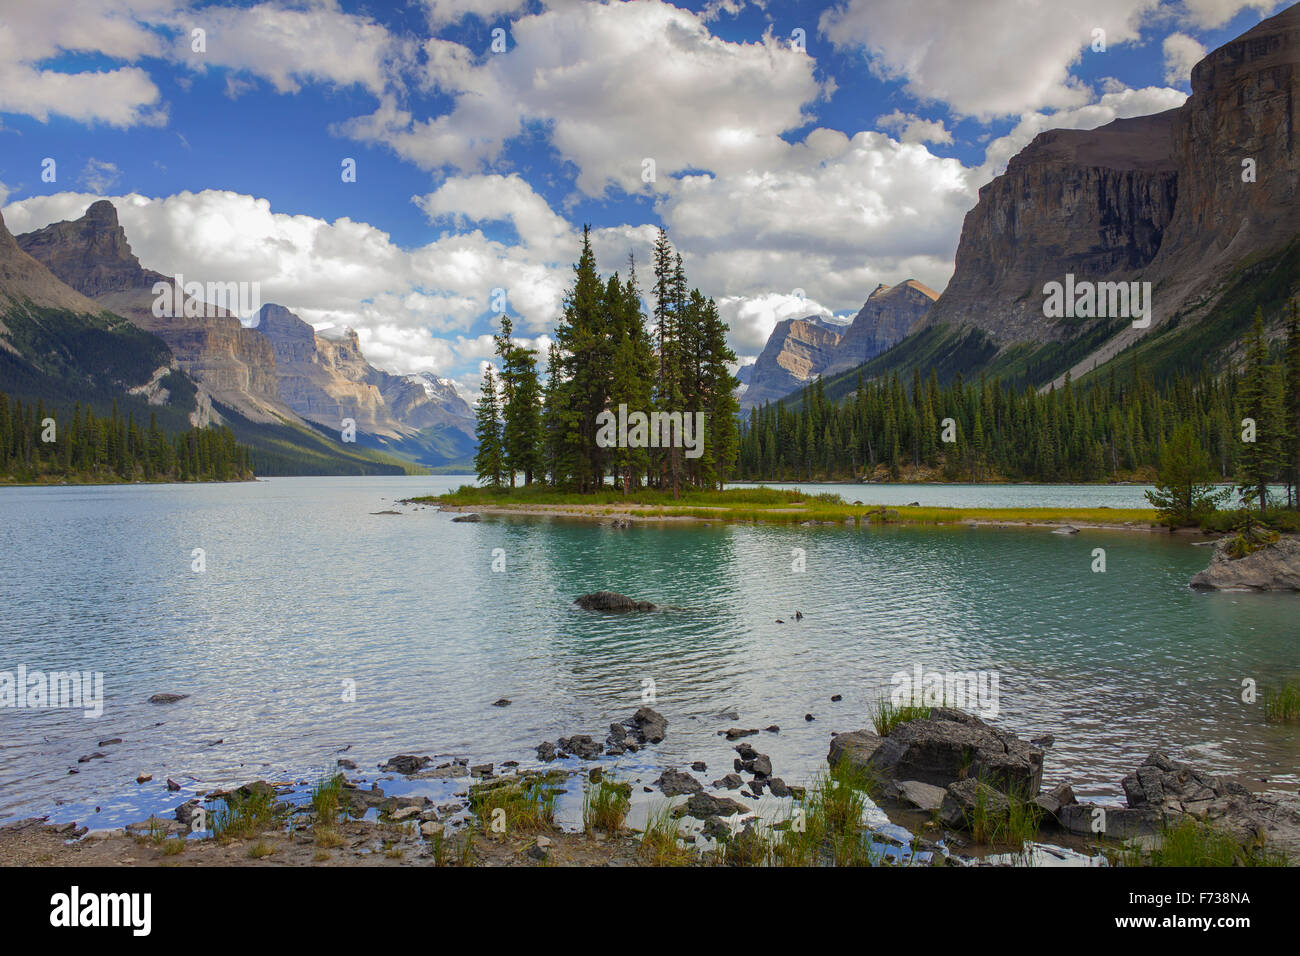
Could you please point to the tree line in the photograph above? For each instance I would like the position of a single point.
(1114, 427)
(36, 444)
(608, 357)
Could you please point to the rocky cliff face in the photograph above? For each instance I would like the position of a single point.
(888, 315)
(1156, 198)
(796, 352)
(327, 378)
(232, 364)
(1095, 203)
(54, 339)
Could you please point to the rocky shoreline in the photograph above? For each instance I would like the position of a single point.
(945, 788)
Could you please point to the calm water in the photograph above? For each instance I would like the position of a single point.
(305, 589)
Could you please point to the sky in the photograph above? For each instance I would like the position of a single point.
(799, 154)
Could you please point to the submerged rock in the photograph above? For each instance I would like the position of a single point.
(674, 783)
(611, 601)
(405, 764)
(167, 698)
(581, 746)
(703, 805)
(472, 516)
(1273, 567)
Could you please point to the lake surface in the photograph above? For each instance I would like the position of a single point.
(305, 589)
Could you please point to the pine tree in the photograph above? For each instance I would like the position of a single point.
(522, 432)
(1258, 402)
(489, 460)
(1184, 490)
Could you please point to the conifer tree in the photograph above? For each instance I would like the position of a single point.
(489, 460)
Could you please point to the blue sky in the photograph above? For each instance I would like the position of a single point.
(793, 181)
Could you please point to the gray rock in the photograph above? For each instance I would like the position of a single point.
(1120, 823)
(1274, 567)
(1051, 802)
(649, 726)
(951, 746)
(674, 783)
(471, 517)
(611, 601)
(856, 747)
(703, 805)
(167, 698)
(405, 764)
(778, 787)
(699, 766)
(963, 796)
(716, 829)
(581, 746)
(1066, 529)
(546, 751)
(731, 781)
(923, 796)
(735, 733)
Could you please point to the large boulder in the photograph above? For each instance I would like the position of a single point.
(856, 747)
(1274, 567)
(1167, 785)
(611, 601)
(944, 748)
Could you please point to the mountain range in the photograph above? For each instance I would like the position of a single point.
(1200, 201)
(284, 389)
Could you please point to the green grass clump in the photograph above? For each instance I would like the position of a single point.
(660, 845)
(1013, 825)
(326, 797)
(1189, 842)
(525, 806)
(260, 849)
(1283, 706)
(888, 715)
(605, 803)
(244, 814)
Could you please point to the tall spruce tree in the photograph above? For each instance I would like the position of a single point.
(1259, 403)
(489, 460)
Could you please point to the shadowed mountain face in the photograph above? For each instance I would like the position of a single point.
(1166, 198)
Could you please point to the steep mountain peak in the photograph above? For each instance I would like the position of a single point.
(795, 353)
(91, 254)
(102, 213)
(24, 279)
(889, 315)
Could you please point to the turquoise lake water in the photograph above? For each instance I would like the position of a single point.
(306, 589)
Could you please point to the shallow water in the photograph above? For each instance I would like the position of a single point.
(305, 589)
